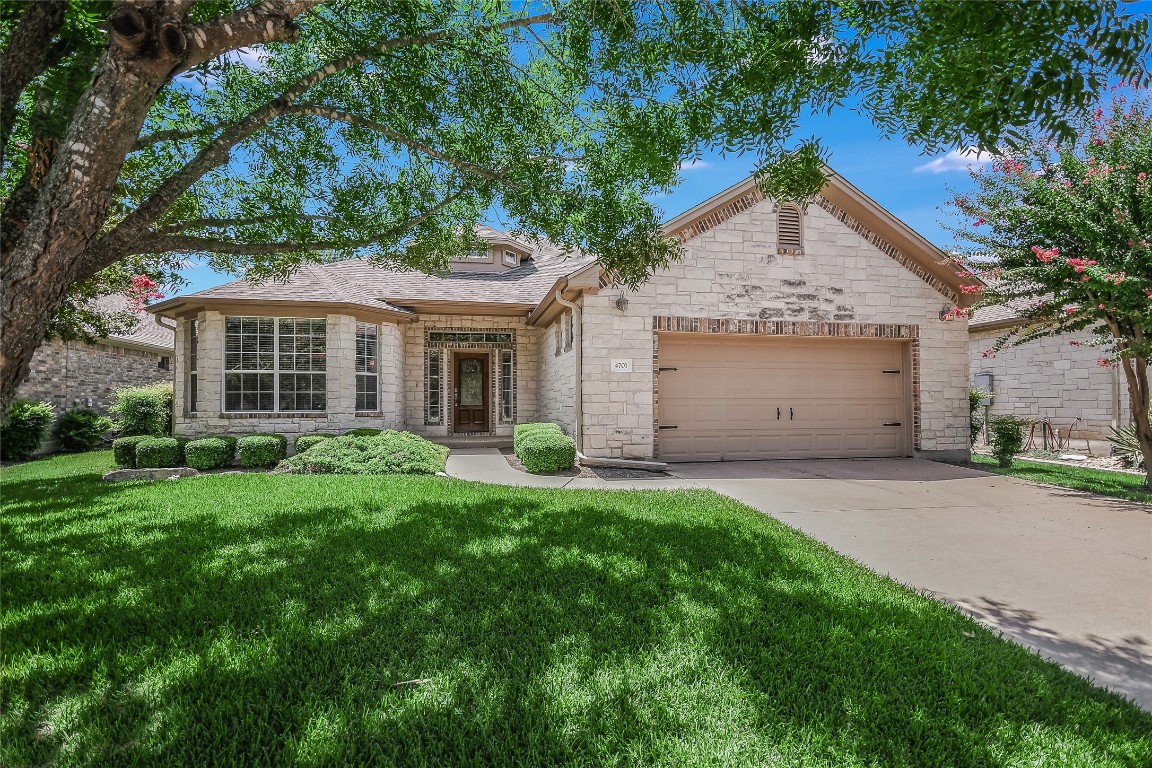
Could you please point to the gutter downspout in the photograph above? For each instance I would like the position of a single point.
(578, 323)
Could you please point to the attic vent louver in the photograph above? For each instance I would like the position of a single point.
(789, 234)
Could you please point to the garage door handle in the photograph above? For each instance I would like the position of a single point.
(790, 414)
(892, 424)
(669, 426)
(896, 371)
(668, 369)
(777, 414)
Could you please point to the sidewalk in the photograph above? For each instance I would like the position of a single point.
(488, 465)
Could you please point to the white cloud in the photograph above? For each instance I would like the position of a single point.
(694, 165)
(956, 160)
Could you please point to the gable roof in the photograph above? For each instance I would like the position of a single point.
(398, 294)
(147, 335)
(852, 207)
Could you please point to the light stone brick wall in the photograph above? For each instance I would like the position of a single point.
(340, 415)
(733, 271)
(525, 365)
(558, 375)
(1055, 379)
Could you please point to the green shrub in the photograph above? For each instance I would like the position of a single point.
(81, 429)
(547, 451)
(157, 452)
(365, 432)
(207, 453)
(1126, 446)
(230, 440)
(25, 428)
(124, 450)
(144, 410)
(261, 450)
(1006, 437)
(304, 442)
(975, 423)
(524, 430)
(388, 453)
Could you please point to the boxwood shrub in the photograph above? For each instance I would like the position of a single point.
(304, 442)
(124, 450)
(25, 429)
(547, 451)
(261, 450)
(144, 410)
(231, 440)
(157, 452)
(364, 432)
(389, 453)
(524, 430)
(208, 453)
(81, 429)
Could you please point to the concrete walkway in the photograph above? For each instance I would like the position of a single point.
(1068, 574)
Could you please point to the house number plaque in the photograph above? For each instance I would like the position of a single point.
(621, 366)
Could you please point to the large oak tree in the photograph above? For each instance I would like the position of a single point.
(136, 134)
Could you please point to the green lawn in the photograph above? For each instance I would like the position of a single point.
(1119, 484)
(324, 620)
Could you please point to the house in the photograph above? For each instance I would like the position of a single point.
(1058, 378)
(783, 333)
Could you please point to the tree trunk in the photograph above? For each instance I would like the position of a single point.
(1136, 374)
(43, 259)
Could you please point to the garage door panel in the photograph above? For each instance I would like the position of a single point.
(772, 398)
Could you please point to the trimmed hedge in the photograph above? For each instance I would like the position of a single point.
(230, 439)
(124, 450)
(304, 442)
(144, 410)
(547, 451)
(157, 452)
(261, 450)
(25, 429)
(81, 429)
(363, 432)
(208, 453)
(525, 430)
(389, 453)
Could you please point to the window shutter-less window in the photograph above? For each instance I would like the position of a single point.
(789, 236)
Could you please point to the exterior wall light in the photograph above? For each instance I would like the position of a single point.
(622, 302)
(949, 312)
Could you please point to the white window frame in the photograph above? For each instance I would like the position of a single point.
(191, 396)
(477, 256)
(373, 374)
(275, 370)
(511, 259)
(507, 357)
(569, 330)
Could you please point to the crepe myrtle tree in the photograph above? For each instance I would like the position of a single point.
(261, 135)
(1064, 233)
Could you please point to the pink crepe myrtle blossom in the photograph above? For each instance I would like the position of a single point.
(971, 288)
(1043, 255)
(141, 290)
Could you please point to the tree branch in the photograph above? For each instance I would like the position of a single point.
(29, 53)
(269, 21)
(183, 226)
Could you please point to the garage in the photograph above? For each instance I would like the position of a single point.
(751, 397)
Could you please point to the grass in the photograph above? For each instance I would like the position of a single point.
(1122, 485)
(266, 619)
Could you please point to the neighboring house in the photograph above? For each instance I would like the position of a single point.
(783, 333)
(1056, 377)
(76, 374)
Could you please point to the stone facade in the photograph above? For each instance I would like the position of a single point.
(558, 377)
(1053, 378)
(74, 374)
(733, 271)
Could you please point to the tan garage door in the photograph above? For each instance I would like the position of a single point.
(733, 398)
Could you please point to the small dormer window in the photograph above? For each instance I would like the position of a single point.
(789, 230)
(476, 256)
(511, 259)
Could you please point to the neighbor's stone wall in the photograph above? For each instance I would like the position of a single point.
(1055, 379)
(734, 271)
(340, 415)
(69, 374)
(524, 363)
(558, 374)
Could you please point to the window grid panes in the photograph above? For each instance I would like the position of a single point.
(511, 259)
(433, 389)
(275, 364)
(193, 364)
(507, 397)
(367, 367)
(570, 330)
(468, 337)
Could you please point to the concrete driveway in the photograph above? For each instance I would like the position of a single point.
(1066, 573)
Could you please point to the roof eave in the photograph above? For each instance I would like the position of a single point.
(182, 306)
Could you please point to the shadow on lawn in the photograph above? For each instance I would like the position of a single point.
(539, 628)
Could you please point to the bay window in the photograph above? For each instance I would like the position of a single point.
(367, 367)
(275, 364)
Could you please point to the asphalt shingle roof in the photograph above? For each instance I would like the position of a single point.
(147, 332)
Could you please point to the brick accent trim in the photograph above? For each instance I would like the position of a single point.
(737, 327)
(718, 216)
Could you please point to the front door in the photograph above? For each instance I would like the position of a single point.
(470, 398)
